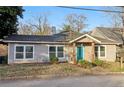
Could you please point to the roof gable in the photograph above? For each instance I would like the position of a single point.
(86, 35)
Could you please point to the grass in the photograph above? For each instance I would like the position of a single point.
(36, 69)
(16, 70)
(115, 67)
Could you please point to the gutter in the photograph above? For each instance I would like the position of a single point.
(37, 42)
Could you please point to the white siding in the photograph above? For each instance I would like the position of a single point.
(40, 54)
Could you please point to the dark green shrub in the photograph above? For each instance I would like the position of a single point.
(54, 60)
(85, 64)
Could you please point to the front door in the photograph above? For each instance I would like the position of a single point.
(80, 52)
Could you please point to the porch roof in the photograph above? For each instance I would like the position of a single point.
(86, 35)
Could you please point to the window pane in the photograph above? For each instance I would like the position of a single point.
(29, 48)
(102, 48)
(19, 49)
(102, 51)
(96, 48)
(52, 49)
(19, 56)
(29, 55)
(60, 49)
(60, 54)
(96, 51)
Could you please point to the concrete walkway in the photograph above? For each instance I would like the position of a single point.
(83, 81)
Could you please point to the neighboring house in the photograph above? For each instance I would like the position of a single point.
(102, 43)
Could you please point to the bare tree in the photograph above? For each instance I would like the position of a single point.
(75, 22)
(25, 29)
(65, 27)
(41, 25)
(115, 19)
(37, 26)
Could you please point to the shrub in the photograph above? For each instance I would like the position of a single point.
(98, 62)
(101, 63)
(85, 64)
(54, 60)
(81, 62)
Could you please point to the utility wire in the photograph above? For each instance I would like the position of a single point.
(89, 9)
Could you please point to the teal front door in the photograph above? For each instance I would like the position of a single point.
(80, 53)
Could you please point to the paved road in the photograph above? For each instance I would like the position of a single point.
(84, 81)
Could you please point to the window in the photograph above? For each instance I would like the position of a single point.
(19, 52)
(52, 51)
(24, 52)
(96, 51)
(29, 52)
(102, 51)
(56, 51)
(99, 51)
(60, 51)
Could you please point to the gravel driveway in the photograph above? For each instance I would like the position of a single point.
(84, 81)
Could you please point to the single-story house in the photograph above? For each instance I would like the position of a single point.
(102, 43)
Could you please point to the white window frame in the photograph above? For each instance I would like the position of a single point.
(56, 52)
(99, 51)
(61, 52)
(24, 53)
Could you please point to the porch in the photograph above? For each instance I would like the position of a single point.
(82, 49)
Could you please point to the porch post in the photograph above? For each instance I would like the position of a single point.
(93, 51)
(69, 53)
(74, 53)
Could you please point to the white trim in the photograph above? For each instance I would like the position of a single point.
(63, 52)
(105, 51)
(84, 36)
(24, 53)
(56, 46)
(99, 51)
(8, 53)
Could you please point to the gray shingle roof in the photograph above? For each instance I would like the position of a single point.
(60, 37)
(67, 36)
(29, 38)
(110, 34)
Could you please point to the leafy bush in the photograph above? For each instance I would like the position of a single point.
(85, 64)
(98, 62)
(101, 63)
(81, 62)
(54, 60)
